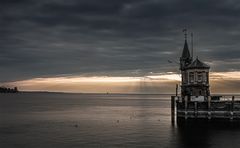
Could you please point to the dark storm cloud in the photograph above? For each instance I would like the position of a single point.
(113, 37)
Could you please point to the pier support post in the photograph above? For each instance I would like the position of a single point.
(185, 106)
(232, 108)
(195, 109)
(173, 109)
(209, 108)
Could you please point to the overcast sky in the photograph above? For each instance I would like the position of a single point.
(48, 38)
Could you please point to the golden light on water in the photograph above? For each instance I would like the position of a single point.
(158, 83)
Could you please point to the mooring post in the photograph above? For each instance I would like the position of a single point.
(209, 108)
(195, 109)
(176, 90)
(233, 98)
(173, 109)
(232, 108)
(185, 106)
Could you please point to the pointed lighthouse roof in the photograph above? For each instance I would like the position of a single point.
(186, 53)
(198, 64)
(186, 58)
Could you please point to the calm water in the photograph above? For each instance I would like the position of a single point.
(43, 120)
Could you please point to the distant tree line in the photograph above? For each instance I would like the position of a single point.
(8, 90)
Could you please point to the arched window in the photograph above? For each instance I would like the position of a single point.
(191, 77)
(199, 77)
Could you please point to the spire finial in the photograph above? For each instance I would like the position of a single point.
(185, 33)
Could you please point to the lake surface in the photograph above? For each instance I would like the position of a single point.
(55, 120)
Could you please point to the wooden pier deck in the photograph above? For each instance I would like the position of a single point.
(226, 108)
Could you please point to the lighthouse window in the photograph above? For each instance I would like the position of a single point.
(207, 75)
(204, 76)
(191, 77)
(200, 77)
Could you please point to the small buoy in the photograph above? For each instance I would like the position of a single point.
(117, 121)
(76, 125)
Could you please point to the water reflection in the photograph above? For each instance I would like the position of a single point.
(75, 120)
(204, 134)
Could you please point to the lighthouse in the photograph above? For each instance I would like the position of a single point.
(195, 102)
(195, 76)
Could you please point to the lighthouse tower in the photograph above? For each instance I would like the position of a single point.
(195, 76)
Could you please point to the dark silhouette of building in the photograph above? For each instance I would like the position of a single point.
(195, 102)
(195, 76)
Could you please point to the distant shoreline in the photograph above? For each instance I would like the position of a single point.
(164, 94)
(94, 93)
(6, 90)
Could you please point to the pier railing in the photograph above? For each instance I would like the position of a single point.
(226, 107)
(212, 105)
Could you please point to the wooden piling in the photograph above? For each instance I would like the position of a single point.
(173, 109)
(185, 106)
(195, 109)
(233, 98)
(209, 108)
(176, 89)
(232, 108)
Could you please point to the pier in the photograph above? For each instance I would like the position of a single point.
(222, 109)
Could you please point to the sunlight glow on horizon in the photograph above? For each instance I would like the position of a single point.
(99, 79)
(225, 75)
(153, 83)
